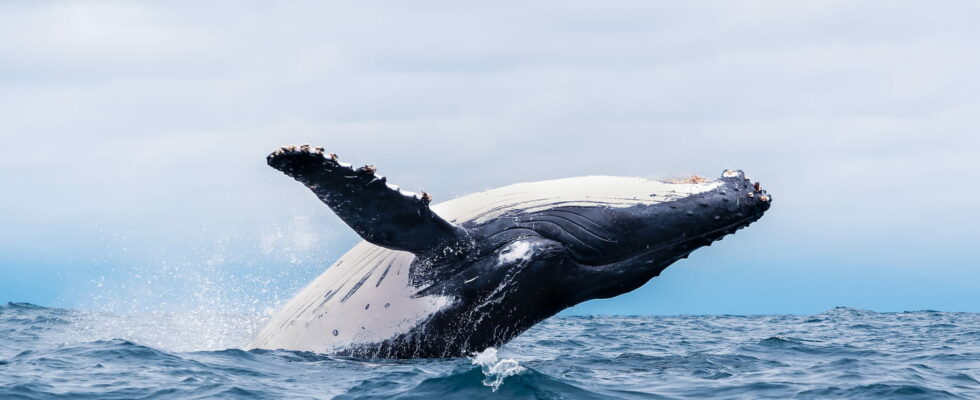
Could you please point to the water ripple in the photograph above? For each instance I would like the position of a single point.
(48, 353)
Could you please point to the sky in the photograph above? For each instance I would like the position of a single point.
(134, 136)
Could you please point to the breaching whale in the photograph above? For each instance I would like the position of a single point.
(457, 277)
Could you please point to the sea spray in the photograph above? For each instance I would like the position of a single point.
(206, 297)
(195, 330)
(495, 370)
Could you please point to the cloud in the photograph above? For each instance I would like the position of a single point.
(154, 118)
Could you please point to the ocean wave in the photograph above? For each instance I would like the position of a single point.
(842, 353)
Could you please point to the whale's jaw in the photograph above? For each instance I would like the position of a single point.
(667, 232)
(712, 215)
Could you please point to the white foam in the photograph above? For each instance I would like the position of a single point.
(515, 251)
(496, 370)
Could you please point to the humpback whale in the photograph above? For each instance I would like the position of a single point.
(449, 279)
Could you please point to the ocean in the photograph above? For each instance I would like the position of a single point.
(843, 353)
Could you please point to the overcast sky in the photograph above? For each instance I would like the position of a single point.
(134, 136)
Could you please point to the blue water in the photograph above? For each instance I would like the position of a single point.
(842, 353)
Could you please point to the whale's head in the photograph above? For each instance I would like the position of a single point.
(635, 243)
(598, 237)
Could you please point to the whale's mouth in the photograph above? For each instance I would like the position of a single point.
(714, 235)
(699, 240)
(679, 227)
(739, 201)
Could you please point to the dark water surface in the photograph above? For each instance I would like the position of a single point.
(842, 353)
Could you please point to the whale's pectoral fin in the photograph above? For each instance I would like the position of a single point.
(381, 213)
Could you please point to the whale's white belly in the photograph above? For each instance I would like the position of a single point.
(366, 296)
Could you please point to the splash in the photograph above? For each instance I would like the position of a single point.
(198, 330)
(495, 370)
(211, 295)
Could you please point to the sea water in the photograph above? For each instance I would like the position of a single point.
(49, 353)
